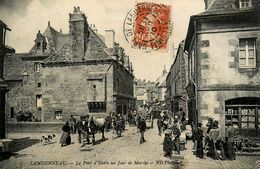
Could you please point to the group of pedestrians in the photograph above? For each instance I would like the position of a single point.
(205, 142)
(70, 127)
(171, 126)
(215, 146)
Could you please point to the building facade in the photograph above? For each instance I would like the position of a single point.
(224, 62)
(3, 86)
(161, 86)
(176, 82)
(145, 92)
(70, 74)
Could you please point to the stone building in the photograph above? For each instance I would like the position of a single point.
(145, 92)
(176, 81)
(3, 86)
(70, 74)
(161, 86)
(223, 46)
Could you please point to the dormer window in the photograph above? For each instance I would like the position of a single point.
(244, 4)
(38, 45)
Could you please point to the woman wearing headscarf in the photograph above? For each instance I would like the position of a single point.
(199, 139)
(230, 132)
(214, 136)
(65, 137)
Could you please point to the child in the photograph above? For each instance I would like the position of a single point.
(167, 144)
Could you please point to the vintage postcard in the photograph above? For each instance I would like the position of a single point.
(101, 84)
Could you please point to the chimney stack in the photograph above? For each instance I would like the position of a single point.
(78, 26)
(109, 38)
(208, 3)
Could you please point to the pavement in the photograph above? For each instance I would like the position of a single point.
(114, 152)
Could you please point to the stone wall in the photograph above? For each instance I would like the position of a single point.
(34, 127)
(212, 104)
(22, 96)
(220, 68)
(70, 91)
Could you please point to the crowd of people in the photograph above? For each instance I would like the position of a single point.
(172, 125)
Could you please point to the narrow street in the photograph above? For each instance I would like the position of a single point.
(123, 152)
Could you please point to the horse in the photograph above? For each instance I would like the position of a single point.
(96, 125)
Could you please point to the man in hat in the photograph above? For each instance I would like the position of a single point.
(83, 130)
(142, 129)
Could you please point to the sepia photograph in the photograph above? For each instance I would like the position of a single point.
(130, 84)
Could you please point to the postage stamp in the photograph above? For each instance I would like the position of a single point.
(148, 27)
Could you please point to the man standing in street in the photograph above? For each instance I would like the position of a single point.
(142, 130)
(159, 125)
(83, 130)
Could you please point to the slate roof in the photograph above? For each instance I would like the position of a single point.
(219, 8)
(96, 50)
(55, 41)
(2, 24)
(228, 7)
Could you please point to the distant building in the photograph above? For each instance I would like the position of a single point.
(161, 86)
(70, 74)
(223, 45)
(145, 92)
(176, 81)
(3, 86)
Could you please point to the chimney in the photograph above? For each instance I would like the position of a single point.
(208, 3)
(109, 38)
(78, 33)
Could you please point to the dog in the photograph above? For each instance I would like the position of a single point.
(47, 139)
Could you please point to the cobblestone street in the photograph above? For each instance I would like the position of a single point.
(125, 152)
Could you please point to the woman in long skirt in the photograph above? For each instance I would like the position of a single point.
(199, 138)
(230, 151)
(65, 137)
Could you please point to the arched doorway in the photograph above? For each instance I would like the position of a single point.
(244, 113)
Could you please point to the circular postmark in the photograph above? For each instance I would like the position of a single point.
(148, 26)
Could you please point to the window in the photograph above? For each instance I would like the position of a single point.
(245, 4)
(38, 101)
(39, 85)
(12, 112)
(247, 53)
(94, 92)
(37, 67)
(58, 114)
(97, 107)
(38, 45)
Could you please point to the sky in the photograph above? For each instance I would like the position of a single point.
(26, 17)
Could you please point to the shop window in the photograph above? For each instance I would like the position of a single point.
(58, 114)
(247, 53)
(244, 114)
(243, 4)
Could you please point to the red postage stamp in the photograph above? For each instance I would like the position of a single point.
(148, 27)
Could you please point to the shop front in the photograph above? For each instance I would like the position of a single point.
(244, 113)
